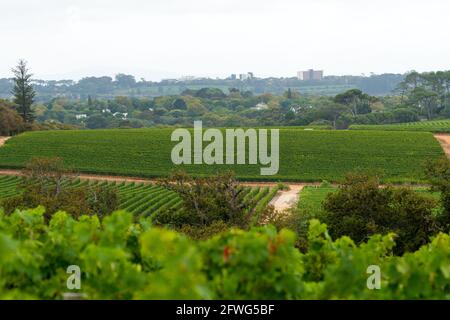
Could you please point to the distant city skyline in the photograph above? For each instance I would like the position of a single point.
(68, 39)
(318, 75)
(186, 77)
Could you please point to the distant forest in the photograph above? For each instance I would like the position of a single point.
(127, 85)
(96, 103)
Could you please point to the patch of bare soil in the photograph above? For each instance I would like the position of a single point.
(3, 140)
(286, 199)
(444, 140)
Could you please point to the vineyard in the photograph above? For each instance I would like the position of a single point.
(120, 258)
(304, 155)
(431, 126)
(142, 199)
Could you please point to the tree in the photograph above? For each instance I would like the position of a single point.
(405, 114)
(358, 101)
(23, 91)
(206, 201)
(428, 91)
(331, 111)
(438, 173)
(96, 122)
(10, 121)
(425, 99)
(48, 183)
(361, 208)
(289, 94)
(179, 104)
(125, 81)
(47, 173)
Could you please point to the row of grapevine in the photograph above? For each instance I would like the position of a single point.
(8, 186)
(140, 198)
(433, 126)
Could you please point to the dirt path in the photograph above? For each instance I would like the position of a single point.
(287, 199)
(444, 140)
(83, 176)
(3, 140)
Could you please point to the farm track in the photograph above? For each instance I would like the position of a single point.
(287, 199)
(444, 140)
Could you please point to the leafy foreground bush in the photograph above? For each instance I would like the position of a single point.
(120, 259)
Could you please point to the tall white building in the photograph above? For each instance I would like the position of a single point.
(310, 75)
(246, 76)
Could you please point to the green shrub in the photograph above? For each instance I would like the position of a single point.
(438, 172)
(361, 208)
(207, 200)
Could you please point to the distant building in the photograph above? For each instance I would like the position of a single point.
(310, 75)
(122, 115)
(246, 76)
(233, 76)
(260, 106)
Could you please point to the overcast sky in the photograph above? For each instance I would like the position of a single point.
(158, 39)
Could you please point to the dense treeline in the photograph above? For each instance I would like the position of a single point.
(428, 92)
(237, 108)
(417, 97)
(122, 84)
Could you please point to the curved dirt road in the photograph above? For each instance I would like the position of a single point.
(287, 199)
(444, 140)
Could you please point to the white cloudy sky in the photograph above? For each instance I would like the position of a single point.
(170, 38)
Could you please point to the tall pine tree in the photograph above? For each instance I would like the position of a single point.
(23, 91)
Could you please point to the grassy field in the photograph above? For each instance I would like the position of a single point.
(304, 155)
(311, 199)
(432, 126)
(138, 198)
